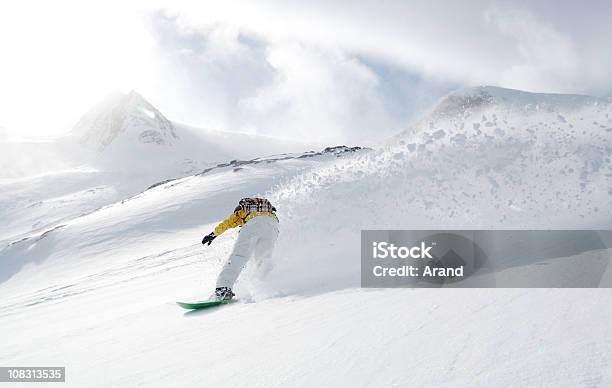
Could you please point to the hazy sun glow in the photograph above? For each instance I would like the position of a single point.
(57, 61)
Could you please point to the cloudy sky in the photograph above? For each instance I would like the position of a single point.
(337, 71)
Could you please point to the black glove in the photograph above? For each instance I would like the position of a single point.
(209, 238)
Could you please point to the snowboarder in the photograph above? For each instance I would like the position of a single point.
(256, 238)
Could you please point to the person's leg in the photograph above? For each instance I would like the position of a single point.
(264, 246)
(243, 250)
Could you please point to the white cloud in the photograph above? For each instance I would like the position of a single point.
(480, 41)
(317, 94)
(215, 76)
(320, 43)
(545, 59)
(201, 74)
(340, 70)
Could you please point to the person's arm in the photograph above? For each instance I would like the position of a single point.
(234, 220)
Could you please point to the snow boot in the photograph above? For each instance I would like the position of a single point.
(223, 293)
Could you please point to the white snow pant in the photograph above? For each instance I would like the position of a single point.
(255, 239)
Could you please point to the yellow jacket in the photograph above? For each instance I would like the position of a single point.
(239, 218)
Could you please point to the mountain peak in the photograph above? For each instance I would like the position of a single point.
(128, 116)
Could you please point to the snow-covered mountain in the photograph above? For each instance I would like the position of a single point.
(537, 159)
(124, 132)
(483, 158)
(117, 149)
(124, 117)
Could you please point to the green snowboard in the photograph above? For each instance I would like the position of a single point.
(203, 304)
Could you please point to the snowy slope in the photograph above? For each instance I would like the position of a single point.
(169, 208)
(118, 148)
(129, 335)
(503, 160)
(97, 293)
